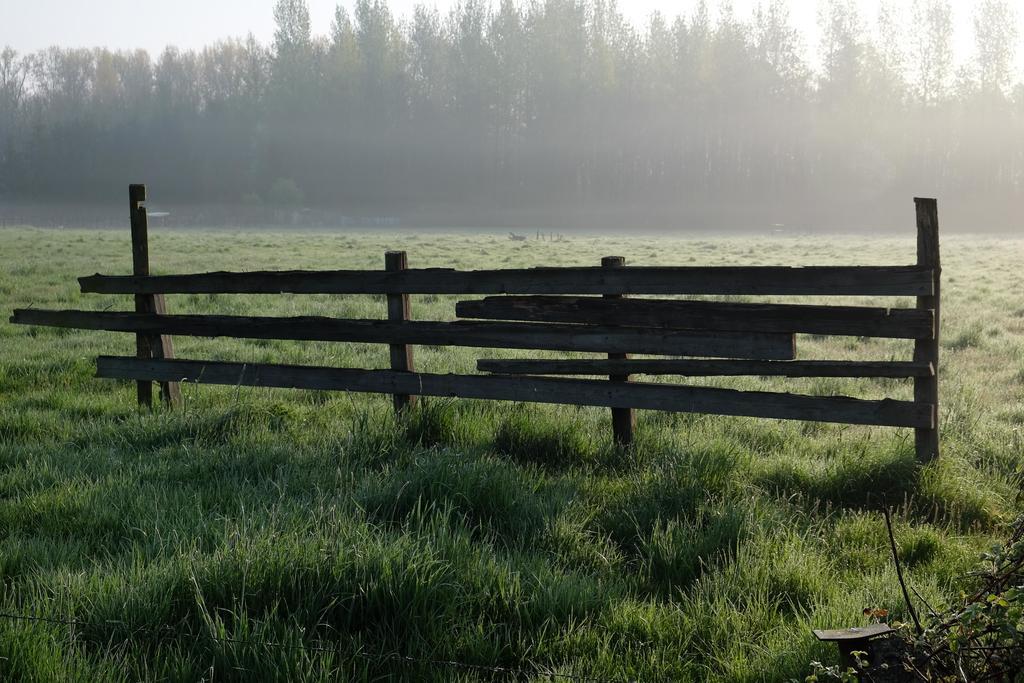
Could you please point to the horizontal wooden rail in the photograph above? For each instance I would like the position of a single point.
(724, 280)
(585, 338)
(904, 323)
(708, 368)
(674, 398)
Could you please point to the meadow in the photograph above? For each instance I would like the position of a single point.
(290, 535)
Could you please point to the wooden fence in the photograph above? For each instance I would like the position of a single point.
(561, 309)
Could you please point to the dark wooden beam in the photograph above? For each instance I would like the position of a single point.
(460, 333)
(148, 345)
(926, 348)
(673, 398)
(623, 419)
(725, 280)
(708, 368)
(903, 323)
(399, 310)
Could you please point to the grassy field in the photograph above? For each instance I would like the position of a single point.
(301, 536)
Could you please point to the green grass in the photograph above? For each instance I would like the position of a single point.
(302, 536)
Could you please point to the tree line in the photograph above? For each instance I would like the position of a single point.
(538, 111)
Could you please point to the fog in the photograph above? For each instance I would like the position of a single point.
(561, 113)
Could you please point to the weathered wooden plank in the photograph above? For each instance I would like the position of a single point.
(673, 398)
(148, 345)
(724, 280)
(162, 346)
(926, 348)
(857, 633)
(708, 368)
(399, 310)
(769, 346)
(902, 323)
(623, 419)
(145, 345)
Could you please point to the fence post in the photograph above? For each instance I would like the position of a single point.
(926, 389)
(623, 419)
(399, 309)
(148, 345)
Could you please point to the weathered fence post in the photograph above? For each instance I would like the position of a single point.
(399, 309)
(148, 345)
(926, 349)
(623, 419)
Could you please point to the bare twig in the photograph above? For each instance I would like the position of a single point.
(899, 573)
(931, 610)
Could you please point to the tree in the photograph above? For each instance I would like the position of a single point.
(841, 48)
(293, 36)
(14, 72)
(933, 45)
(293, 52)
(995, 37)
(890, 52)
(777, 44)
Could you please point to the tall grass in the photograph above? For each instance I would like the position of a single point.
(302, 536)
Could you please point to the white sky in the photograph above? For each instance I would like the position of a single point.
(28, 25)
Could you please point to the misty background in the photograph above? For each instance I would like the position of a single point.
(553, 113)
